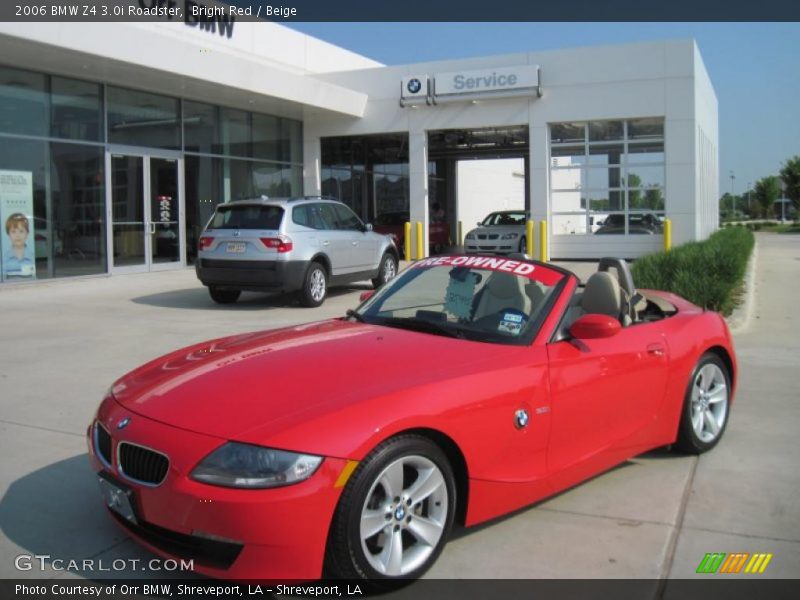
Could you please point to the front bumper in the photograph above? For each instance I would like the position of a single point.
(250, 275)
(491, 246)
(229, 533)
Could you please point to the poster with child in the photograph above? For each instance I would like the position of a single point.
(16, 219)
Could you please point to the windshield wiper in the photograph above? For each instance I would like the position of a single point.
(420, 325)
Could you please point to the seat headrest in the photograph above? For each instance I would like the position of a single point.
(602, 295)
(504, 285)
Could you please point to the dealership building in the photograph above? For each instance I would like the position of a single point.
(119, 139)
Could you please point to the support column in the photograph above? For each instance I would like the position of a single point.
(312, 161)
(418, 184)
(539, 169)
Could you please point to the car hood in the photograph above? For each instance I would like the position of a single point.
(498, 229)
(251, 387)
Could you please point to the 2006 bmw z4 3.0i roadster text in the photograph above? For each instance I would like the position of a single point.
(465, 388)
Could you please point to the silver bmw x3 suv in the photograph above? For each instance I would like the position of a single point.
(301, 245)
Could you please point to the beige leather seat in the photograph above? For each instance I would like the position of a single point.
(603, 295)
(502, 291)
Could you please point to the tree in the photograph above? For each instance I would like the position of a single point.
(790, 175)
(767, 191)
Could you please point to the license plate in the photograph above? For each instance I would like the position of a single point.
(235, 247)
(117, 498)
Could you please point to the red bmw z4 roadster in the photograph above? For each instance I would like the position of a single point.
(465, 388)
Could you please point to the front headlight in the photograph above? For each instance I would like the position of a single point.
(470, 236)
(247, 466)
(509, 236)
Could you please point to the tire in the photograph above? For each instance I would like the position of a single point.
(706, 406)
(386, 271)
(315, 286)
(378, 501)
(223, 296)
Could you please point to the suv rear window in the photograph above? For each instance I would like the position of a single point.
(247, 217)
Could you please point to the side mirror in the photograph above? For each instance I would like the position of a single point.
(367, 226)
(366, 295)
(594, 326)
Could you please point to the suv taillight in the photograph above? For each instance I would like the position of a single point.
(281, 243)
(205, 242)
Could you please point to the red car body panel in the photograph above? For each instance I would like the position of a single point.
(438, 234)
(592, 404)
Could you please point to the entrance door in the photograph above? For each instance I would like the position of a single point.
(146, 216)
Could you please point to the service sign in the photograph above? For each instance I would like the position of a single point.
(502, 79)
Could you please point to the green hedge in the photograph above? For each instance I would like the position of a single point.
(706, 273)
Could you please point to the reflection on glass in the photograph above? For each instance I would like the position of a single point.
(235, 132)
(76, 109)
(599, 178)
(200, 127)
(645, 153)
(569, 224)
(646, 177)
(127, 210)
(645, 128)
(613, 224)
(652, 199)
(23, 102)
(77, 238)
(203, 192)
(567, 132)
(605, 200)
(142, 119)
(165, 231)
(645, 224)
(606, 154)
(601, 131)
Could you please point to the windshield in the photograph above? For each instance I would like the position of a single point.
(247, 217)
(504, 218)
(477, 298)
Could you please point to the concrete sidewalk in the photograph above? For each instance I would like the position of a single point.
(63, 343)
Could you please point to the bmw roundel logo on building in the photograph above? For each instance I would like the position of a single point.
(414, 85)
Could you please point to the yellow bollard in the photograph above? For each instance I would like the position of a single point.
(529, 237)
(667, 235)
(407, 241)
(543, 241)
(420, 247)
(460, 234)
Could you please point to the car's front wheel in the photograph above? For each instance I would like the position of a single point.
(395, 513)
(315, 286)
(706, 406)
(223, 296)
(386, 271)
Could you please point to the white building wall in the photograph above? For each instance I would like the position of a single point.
(484, 186)
(654, 79)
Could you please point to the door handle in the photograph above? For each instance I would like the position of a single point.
(326, 243)
(355, 243)
(151, 228)
(655, 349)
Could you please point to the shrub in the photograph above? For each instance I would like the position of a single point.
(706, 273)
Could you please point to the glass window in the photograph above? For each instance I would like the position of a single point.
(603, 131)
(247, 217)
(642, 129)
(266, 138)
(292, 140)
(76, 109)
(346, 219)
(645, 223)
(574, 224)
(606, 154)
(568, 156)
(235, 132)
(200, 127)
(645, 153)
(651, 176)
(652, 199)
(142, 119)
(567, 132)
(23, 102)
(599, 178)
(309, 215)
(606, 200)
(203, 193)
(610, 225)
(22, 166)
(77, 238)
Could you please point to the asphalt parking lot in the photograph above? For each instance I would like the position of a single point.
(62, 343)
